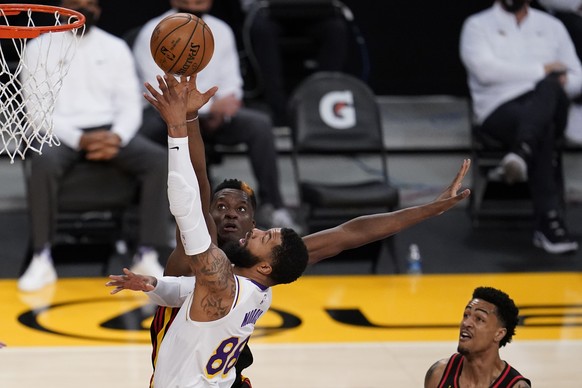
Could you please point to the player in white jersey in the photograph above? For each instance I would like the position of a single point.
(214, 345)
(202, 345)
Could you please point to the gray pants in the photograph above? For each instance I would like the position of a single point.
(142, 158)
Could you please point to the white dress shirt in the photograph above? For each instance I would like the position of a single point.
(223, 69)
(505, 60)
(100, 88)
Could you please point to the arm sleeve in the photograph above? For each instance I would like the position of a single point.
(184, 198)
(171, 291)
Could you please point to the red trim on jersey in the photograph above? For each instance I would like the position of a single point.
(450, 364)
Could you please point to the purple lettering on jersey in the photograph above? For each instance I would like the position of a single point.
(251, 317)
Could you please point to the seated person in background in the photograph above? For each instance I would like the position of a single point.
(488, 323)
(96, 117)
(329, 32)
(570, 13)
(522, 67)
(223, 120)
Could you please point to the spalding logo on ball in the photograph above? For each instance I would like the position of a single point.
(182, 44)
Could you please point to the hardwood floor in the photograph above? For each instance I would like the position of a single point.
(548, 364)
(322, 332)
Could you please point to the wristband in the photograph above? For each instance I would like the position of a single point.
(192, 119)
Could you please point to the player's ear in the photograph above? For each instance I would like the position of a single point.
(264, 268)
(501, 332)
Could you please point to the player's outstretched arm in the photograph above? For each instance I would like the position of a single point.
(214, 289)
(166, 291)
(178, 261)
(366, 229)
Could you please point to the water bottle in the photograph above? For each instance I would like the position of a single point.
(414, 260)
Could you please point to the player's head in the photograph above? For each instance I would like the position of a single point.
(506, 310)
(233, 208)
(89, 8)
(278, 256)
(196, 7)
(489, 319)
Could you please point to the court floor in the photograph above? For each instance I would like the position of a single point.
(322, 331)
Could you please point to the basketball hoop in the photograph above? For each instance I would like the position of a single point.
(37, 45)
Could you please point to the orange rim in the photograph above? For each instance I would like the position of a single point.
(7, 32)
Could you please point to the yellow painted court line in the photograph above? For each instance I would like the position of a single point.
(315, 309)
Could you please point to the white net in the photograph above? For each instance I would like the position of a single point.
(31, 75)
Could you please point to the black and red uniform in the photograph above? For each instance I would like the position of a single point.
(450, 379)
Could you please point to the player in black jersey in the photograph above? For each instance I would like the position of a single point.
(232, 208)
(488, 323)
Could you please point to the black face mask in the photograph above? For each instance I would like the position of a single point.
(90, 18)
(513, 5)
(197, 13)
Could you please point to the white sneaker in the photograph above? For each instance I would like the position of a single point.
(39, 273)
(146, 263)
(514, 168)
(281, 218)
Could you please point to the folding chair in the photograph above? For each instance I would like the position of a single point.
(335, 117)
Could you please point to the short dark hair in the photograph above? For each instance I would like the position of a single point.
(506, 310)
(237, 185)
(289, 258)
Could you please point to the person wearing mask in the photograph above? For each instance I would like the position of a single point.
(522, 71)
(96, 117)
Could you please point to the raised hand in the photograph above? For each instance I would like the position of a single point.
(177, 98)
(451, 192)
(196, 100)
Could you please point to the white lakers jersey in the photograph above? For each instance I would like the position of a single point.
(203, 354)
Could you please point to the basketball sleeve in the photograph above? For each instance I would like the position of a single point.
(172, 291)
(184, 198)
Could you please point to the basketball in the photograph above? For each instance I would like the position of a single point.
(182, 44)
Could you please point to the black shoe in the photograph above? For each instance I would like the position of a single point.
(552, 235)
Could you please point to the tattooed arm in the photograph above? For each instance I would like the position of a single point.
(215, 285)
